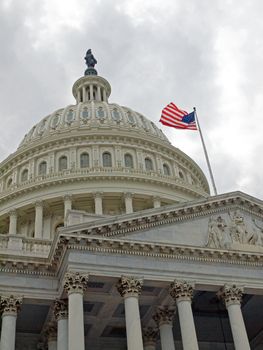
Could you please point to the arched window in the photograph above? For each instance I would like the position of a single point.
(42, 168)
(148, 164)
(62, 163)
(128, 160)
(166, 170)
(106, 159)
(24, 175)
(9, 182)
(181, 175)
(84, 160)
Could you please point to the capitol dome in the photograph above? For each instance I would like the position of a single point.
(93, 157)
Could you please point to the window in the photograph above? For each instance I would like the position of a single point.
(70, 116)
(62, 163)
(85, 114)
(128, 161)
(42, 168)
(24, 175)
(181, 175)
(148, 164)
(100, 113)
(9, 182)
(84, 160)
(131, 119)
(166, 170)
(116, 115)
(106, 159)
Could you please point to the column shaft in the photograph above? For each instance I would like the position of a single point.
(67, 205)
(98, 204)
(98, 93)
(8, 332)
(128, 203)
(62, 337)
(187, 326)
(238, 327)
(133, 323)
(91, 92)
(166, 335)
(84, 94)
(38, 220)
(52, 345)
(76, 322)
(12, 222)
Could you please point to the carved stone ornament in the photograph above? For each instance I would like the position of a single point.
(10, 305)
(231, 294)
(51, 331)
(150, 336)
(129, 286)
(164, 315)
(74, 282)
(236, 232)
(181, 290)
(60, 309)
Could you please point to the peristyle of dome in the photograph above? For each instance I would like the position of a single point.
(108, 158)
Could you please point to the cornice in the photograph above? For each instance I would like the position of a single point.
(62, 140)
(94, 174)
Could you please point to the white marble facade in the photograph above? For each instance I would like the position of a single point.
(109, 240)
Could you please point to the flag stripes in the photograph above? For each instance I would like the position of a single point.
(177, 118)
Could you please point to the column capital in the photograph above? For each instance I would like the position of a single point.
(129, 286)
(39, 204)
(10, 305)
(164, 315)
(150, 336)
(181, 290)
(74, 282)
(127, 195)
(12, 212)
(97, 194)
(67, 197)
(231, 294)
(51, 332)
(60, 309)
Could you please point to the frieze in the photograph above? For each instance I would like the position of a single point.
(235, 231)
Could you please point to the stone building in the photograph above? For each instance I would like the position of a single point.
(109, 239)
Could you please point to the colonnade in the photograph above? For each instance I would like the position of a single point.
(67, 202)
(66, 331)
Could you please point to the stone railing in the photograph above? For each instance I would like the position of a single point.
(97, 171)
(19, 245)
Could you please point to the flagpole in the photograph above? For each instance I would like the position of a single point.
(206, 154)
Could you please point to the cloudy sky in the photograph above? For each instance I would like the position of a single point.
(202, 53)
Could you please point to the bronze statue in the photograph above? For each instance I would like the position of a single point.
(90, 59)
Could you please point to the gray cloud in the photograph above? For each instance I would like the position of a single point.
(204, 54)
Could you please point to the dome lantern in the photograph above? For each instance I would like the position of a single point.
(91, 87)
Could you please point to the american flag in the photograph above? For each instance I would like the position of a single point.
(177, 118)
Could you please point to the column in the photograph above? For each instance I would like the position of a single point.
(164, 319)
(128, 202)
(232, 296)
(150, 335)
(75, 284)
(130, 289)
(51, 335)
(98, 93)
(38, 219)
(104, 95)
(182, 293)
(12, 222)
(61, 315)
(91, 92)
(10, 307)
(84, 94)
(156, 202)
(98, 203)
(67, 204)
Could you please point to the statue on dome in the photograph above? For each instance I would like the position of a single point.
(90, 59)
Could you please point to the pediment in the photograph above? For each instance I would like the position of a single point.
(232, 221)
